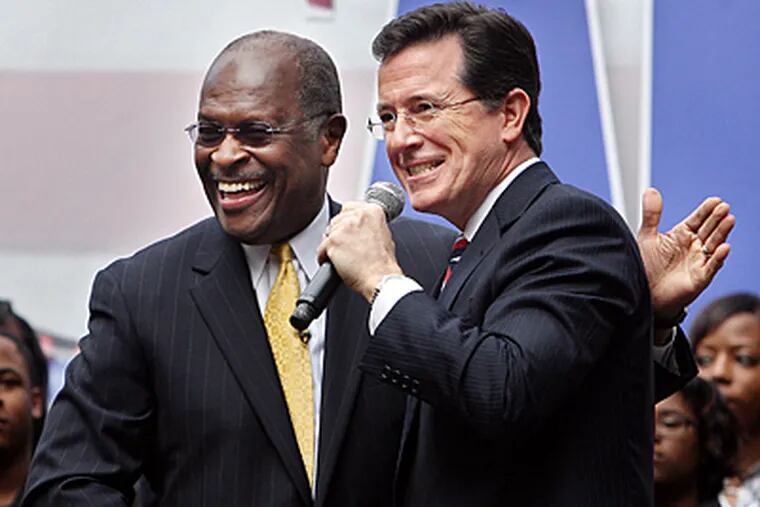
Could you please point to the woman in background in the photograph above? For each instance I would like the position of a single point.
(694, 445)
(727, 346)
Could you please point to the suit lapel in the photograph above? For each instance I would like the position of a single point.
(510, 206)
(346, 340)
(225, 298)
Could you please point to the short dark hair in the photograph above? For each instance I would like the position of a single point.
(718, 440)
(720, 310)
(499, 52)
(319, 90)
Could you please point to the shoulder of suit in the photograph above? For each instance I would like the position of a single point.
(178, 242)
(570, 199)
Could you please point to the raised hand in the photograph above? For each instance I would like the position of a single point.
(682, 262)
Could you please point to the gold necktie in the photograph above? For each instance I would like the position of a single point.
(291, 355)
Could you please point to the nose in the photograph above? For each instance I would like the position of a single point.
(721, 370)
(229, 152)
(403, 136)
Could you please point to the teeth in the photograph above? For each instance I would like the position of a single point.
(244, 186)
(422, 168)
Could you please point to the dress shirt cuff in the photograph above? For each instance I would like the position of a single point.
(665, 353)
(391, 291)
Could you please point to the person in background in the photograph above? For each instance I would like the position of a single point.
(695, 444)
(726, 337)
(14, 324)
(21, 405)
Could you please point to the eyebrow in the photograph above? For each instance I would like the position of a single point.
(414, 98)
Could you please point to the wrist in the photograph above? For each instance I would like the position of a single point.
(667, 321)
(379, 286)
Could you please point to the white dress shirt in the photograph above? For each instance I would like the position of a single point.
(264, 269)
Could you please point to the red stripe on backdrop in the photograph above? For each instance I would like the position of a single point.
(324, 4)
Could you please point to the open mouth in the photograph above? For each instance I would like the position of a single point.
(235, 195)
(417, 169)
(237, 188)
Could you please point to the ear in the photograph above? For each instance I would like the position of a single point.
(331, 137)
(36, 396)
(515, 108)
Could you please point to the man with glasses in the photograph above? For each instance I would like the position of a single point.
(529, 371)
(191, 374)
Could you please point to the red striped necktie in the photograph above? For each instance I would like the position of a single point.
(456, 253)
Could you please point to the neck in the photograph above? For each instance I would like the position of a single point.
(13, 476)
(676, 495)
(749, 454)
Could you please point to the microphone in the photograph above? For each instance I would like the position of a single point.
(317, 293)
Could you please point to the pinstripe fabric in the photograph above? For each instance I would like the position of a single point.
(533, 368)
(175, 381)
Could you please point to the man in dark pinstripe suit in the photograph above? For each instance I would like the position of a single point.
(529, 369)
(175, 380)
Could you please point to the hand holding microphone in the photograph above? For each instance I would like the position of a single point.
(360, 250)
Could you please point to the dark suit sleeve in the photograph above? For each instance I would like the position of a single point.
(674, 366)
(533, 320)
(94, 439)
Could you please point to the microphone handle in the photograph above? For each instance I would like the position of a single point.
(314, 298)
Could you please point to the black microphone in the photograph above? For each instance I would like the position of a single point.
(317, 293)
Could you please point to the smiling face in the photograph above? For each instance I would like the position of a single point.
(729, 355)
(450, 164)
(20, 404)
(263, 194)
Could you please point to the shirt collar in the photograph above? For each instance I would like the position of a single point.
(477, 218)
(304, 245)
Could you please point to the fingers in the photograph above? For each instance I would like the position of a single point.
(715, 261)
(719, 234)
(651, 211)
(700, 215)
(712, 221)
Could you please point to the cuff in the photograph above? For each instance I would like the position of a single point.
(389, 291)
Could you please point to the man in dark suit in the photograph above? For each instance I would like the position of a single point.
(529, 371)
(176, 380)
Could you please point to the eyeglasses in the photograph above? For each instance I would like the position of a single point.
(251, 133)
(673, 423)
(419, 115)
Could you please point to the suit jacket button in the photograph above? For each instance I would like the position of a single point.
(415, 382)
(384, 376)
(387, 367)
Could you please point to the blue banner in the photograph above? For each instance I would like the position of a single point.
(706, 122)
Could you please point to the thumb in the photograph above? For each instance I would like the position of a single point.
(651, 212)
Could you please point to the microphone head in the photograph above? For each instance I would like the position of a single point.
(388, 196)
